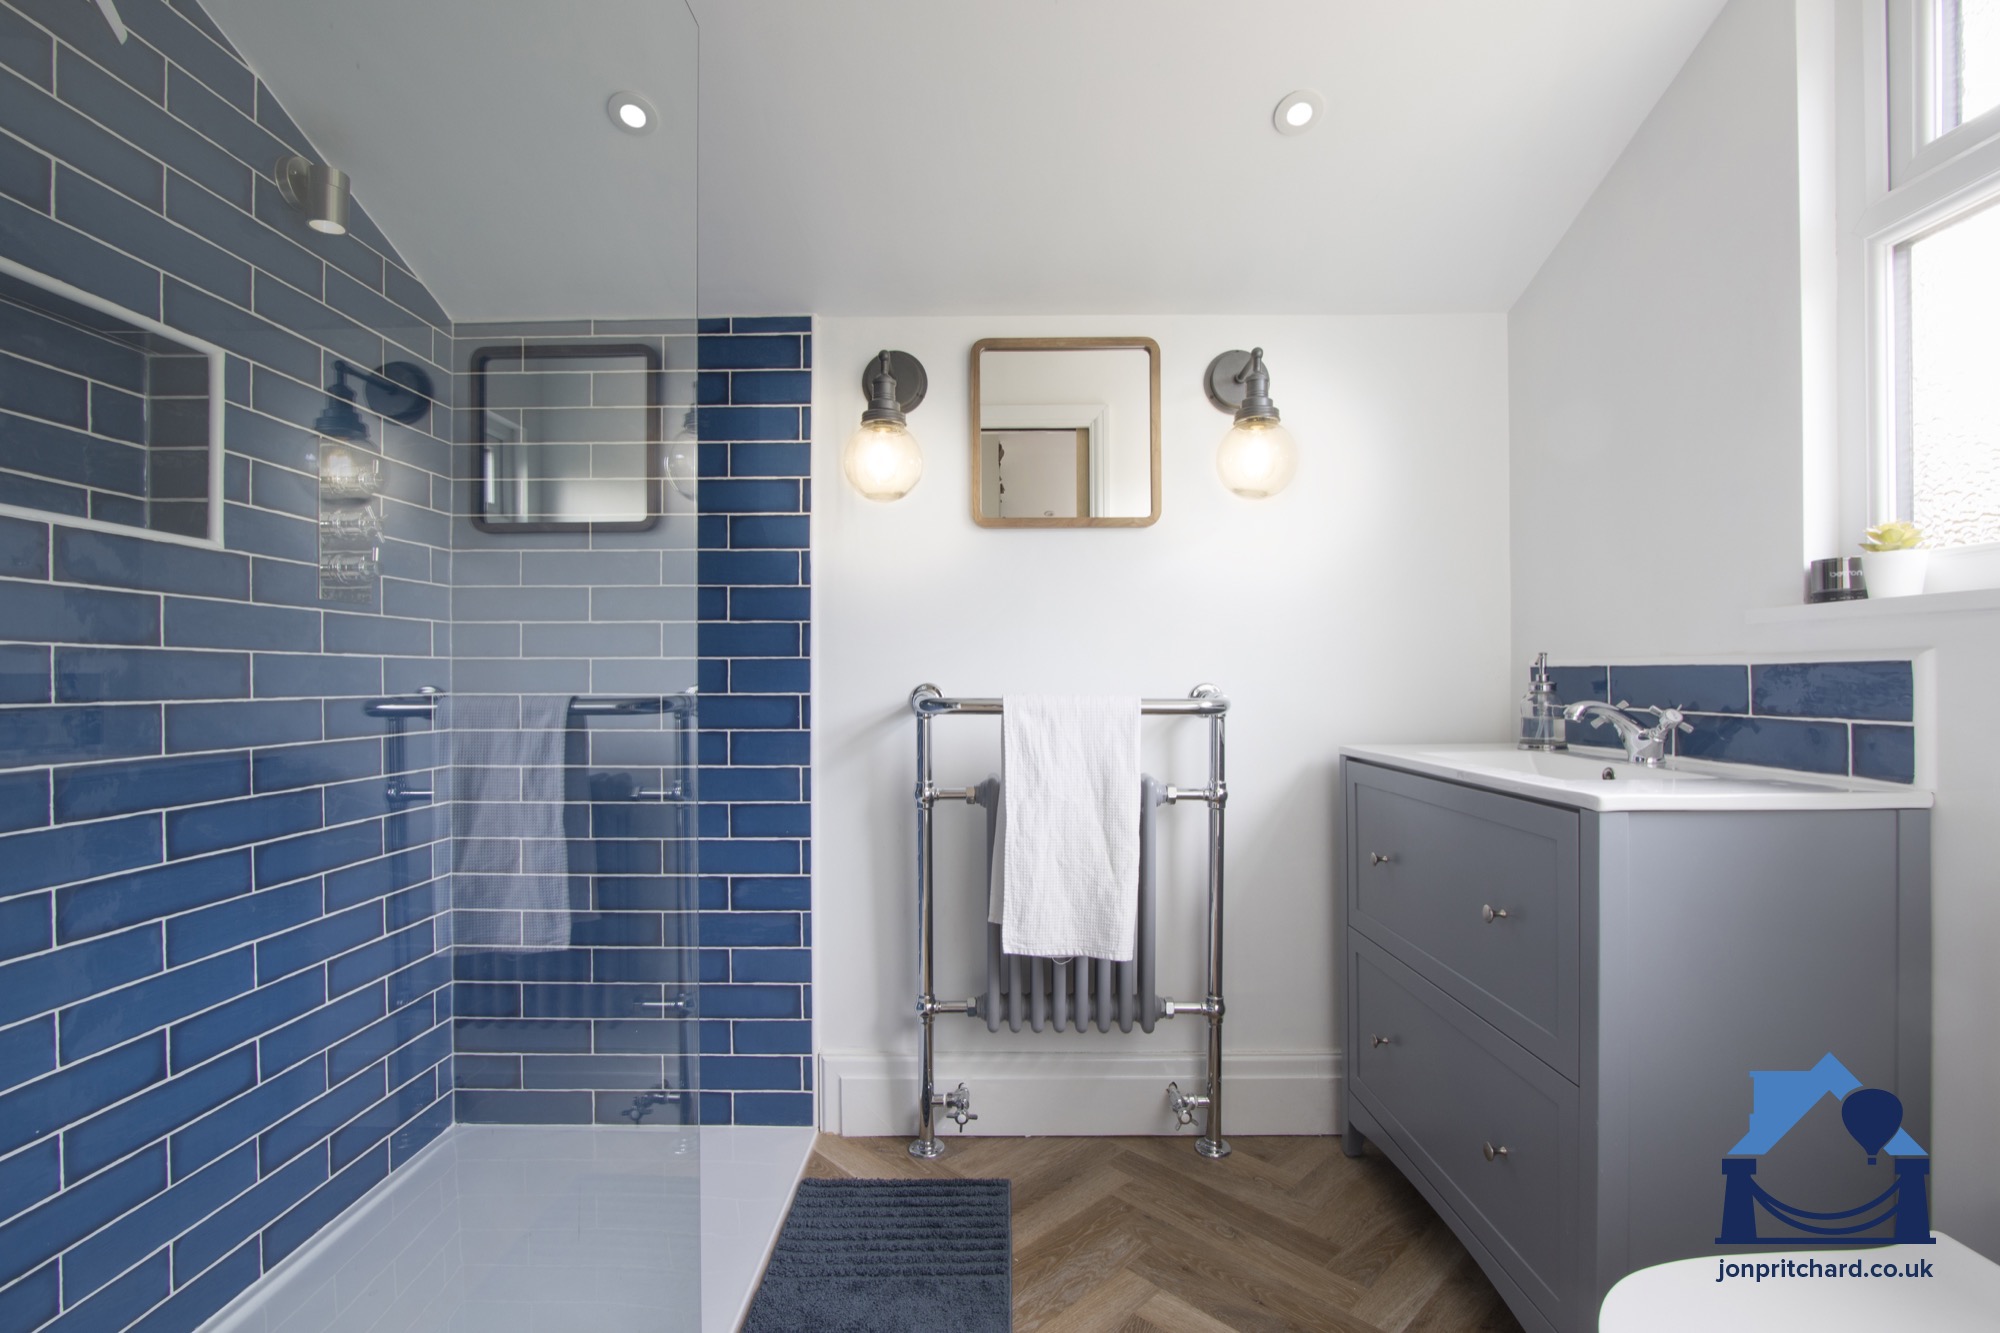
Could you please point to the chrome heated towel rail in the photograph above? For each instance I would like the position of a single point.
(424, 704)
(929, 702)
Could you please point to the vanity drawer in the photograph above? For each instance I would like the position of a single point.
(1445, 1088)
(1476, 891)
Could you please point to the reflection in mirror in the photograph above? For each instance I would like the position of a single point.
(1065, 432)
(568, 437)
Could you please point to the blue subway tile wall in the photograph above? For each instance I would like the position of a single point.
(211, 917)
(1847, 719)
(756, 719)
(573, 888)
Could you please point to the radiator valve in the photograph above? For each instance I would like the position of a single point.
(1184, 1104)
(957, 1106)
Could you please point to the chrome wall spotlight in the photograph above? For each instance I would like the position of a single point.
(1258, 456)
(882, 459)
(317, 191)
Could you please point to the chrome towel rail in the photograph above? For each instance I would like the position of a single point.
(426, 701)
(680, 705)
(928, 702)
(424, 705)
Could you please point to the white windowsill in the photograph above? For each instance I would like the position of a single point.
(1929, 603)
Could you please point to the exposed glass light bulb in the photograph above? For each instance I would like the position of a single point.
(882, 460)
(1257, 458)
(682, 455)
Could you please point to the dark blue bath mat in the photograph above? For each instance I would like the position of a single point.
(890, 1255)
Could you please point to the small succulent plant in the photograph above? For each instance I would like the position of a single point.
(1892, 537)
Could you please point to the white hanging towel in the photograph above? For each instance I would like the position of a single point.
(1066, 853)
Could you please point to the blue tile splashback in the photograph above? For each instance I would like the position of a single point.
(1870, 691)
(1692, 689)
(186, 774)
(1887, 753)
(1843, 718)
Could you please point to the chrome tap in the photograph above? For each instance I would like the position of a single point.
(1643, 745)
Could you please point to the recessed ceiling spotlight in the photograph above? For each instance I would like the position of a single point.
(1299, 112)
(631, 113)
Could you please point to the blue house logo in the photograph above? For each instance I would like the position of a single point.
(1780, 1098)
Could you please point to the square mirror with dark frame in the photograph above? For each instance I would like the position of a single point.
(567, 437)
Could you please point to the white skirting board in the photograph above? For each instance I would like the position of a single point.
(865, 1094)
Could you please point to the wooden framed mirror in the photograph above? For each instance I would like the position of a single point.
(1065, 432)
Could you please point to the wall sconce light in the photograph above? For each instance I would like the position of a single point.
(881, 459)
(682, 455)
(1258, 456)
(338, 420)
(316, 190)
(400, 391)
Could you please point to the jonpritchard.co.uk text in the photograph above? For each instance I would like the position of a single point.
(1811, 1268)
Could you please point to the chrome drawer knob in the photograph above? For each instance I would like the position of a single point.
(1492, 1153)
(1380, 858)
(1381, 1041)
(1489, 914)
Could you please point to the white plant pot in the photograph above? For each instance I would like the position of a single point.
(1894, 573)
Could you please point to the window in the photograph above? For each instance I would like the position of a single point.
(1967, 61)
(1947, 390)
(1932, 247)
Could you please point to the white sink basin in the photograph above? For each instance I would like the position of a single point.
(1614, 783)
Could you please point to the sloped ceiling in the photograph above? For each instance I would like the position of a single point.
(919, 157)
(476, 135)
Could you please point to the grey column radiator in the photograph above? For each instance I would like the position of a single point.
(1075, 992)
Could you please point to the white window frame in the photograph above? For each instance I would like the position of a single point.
(1913, 184)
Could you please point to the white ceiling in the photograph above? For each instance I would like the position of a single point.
(477, 138)
(991, 156)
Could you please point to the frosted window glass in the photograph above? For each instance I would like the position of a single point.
(1969, 60)
(1951, 393)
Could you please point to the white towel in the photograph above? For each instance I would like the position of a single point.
(1066, 853)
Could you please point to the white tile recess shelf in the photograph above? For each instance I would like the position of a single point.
(506, 1229)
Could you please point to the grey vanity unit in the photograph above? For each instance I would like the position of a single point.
(1558, 984)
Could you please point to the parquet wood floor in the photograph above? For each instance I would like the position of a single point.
(1140, 1235)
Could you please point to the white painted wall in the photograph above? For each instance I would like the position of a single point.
(1368, 602)
(1663, 442)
